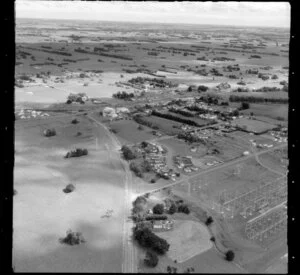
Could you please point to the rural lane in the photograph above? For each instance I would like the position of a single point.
(129, 264)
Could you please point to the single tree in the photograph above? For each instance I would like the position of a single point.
(209, 221)
(229, 256)
(172, 209)
(151, 259)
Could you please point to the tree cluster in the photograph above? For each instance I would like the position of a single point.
(153, 81)
(75, 98)
(128, 153)
(175, 118)
(50, 132)
(151, 259)
(146, 238)
(244, 106)
(209, 99)
(123, 95)
(74, 121)
(158, 209)
(268, 89)
(77, 153)
(183, 208)
(188, 137)
(72, 238)
(202, 88)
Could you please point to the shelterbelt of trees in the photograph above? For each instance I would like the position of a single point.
(257, 99)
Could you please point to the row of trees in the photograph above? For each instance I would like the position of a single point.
(50, 51)
(80, 50)
(140, 120)
(256, 99)
(174, 207)
(156, 217)
(154, 81)
(175, 118)
(123, 95)
(182, 112)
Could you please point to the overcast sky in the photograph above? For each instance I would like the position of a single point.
(268, 14)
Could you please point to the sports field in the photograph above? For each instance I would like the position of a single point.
(187, 239)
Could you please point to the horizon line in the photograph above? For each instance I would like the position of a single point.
(155, 23)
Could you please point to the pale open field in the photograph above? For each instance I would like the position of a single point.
(187, 239)
(43, 212)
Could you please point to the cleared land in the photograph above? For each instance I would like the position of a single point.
(187, 239)
(127, 131)
(253, 125)
(165, 125)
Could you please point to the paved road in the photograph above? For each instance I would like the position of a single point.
(129, 264)
(208, 170)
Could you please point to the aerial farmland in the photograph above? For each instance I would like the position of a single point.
(150, 147)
